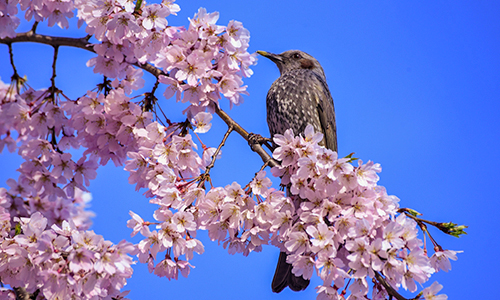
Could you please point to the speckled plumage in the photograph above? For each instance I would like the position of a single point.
(300, 96)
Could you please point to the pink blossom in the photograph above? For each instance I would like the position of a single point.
(419, 269)
(152, 244)
(366, 174)
(193, 94)
(154, 16)
(202, 122)
(231, 87)
(137, 223)
(193, 245)
(8, 20)
(184, 221)
(60, 15)
(237, 35)
(85, 171)
(260, 184)
(80, 259)
(327, 293)
(302, 265)
(440, 260)
(391, 237)
(298, 242)
(133, 80)
(203, 18)
(430, 293)
(331, 270)
(129, 5)
(231, 214)
(107, 67)
(122, 25)
(322, 235)
(172, 7)
(63, 166)
(192, 68)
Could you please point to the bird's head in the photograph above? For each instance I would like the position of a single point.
(293, 60)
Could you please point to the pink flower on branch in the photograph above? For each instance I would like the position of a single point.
(331, 218)
(155, 17)
(49, 259)
(202, 122)
(362, 233)
(430, 293)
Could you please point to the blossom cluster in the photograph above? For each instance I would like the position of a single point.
(336, 221)
(200, 63)
(43, 128)
(50, 181)
(170, 170)
(167, 164)
(54, 12)
(331, 218)
(209, 59)
(346, 225)
(61, 262)
(65, 259)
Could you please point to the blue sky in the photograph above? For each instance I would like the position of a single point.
(416, 88)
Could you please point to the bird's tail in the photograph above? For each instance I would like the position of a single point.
(284, 277)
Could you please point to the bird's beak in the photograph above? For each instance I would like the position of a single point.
(274, 57)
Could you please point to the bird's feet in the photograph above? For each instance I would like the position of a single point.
(255, 138)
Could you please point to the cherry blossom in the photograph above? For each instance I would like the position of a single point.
(49, 258)
(331, 217)
(154, 17)
(430, 292)
(373, 241)
(440, 260)
(202, 122)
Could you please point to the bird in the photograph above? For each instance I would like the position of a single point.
(300, 96)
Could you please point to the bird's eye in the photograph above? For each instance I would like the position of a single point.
(297, 56)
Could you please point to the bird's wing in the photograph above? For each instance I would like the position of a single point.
(326, 112)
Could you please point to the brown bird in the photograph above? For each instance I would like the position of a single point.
(300, 96)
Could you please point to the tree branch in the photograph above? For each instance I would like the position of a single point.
(448, 228)
(390, 290)
(206, 175)
(53, 78)
(83, 43)
(266, 158)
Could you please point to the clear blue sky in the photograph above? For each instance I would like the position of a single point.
(416, 88)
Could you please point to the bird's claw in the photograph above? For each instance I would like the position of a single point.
(255, 138)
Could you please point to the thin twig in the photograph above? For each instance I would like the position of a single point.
(390, 290)
(33, 28)
(264, 165)
(217, 151)
(15, 77)
(206, 175)
(53, 78)
(83, 43)
(266, 158)
(11, 56)
(448, 228)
